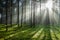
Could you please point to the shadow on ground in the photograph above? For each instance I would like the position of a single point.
(39, 32)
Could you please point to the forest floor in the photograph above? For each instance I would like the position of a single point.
(39, 32)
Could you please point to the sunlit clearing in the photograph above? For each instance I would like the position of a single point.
(52, 35)
(38, 33)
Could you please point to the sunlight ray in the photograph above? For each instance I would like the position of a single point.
(38, 33)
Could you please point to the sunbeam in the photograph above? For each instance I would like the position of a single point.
(29, 19)
(49, 4)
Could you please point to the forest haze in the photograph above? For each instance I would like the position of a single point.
(29, 19)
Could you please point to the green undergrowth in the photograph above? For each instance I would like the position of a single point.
(26, 32)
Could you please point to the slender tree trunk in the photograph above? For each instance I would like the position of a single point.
(22, 15)
(11, 13)
(40, 12)
(24, 11)
(1, 14)
(31, 13)
(18, 13)
(6, 15)
(34, 13)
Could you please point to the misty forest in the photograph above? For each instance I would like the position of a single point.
(29, 19)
